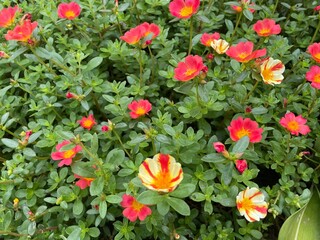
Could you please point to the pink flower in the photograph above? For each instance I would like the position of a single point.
(314, 50)
(241, 127)
(243, 52)
(70, 95)
(83, 182)
(184, 8)
(207, 38)
(22, 32)
(105, 128)
(139, 108)
(189, 69)
(65, 156)
(87, 122)
(8, 15)
(69, 10)
(294, 124)
(134, 209)
(313, 76)
(317, 8)
(241, 165)
(266, 27)
(219, 147)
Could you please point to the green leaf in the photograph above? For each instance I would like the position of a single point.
(32, 227)
(75, 235)
(184, 190)
(29, 152)
(303, 224)
(259, 110)
(103, 209)
(150, 197)
(248, 14)
(114, 199)
(241, 145)
(93, 63)
(179, 205)
(83, 169)
(10, 143)
(94, 232)
(97, 186)
(77, 207)
(163, 207)
(214, 158)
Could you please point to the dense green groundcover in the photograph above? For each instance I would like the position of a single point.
(86, 57)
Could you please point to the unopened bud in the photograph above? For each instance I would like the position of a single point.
(241, 165)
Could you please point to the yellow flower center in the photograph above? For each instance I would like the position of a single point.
(70, 14)
(140, 111)
(246, 204)
(87, 123)
(243, 132)
(190, 72)
(317, 55)
(293, 126)
(68, 153)
(186, 11)
(137, 206)
(267, 74)
(243, 55)
(317, 78)
(162, 181)
(264, 31)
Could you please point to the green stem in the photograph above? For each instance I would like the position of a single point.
(140, 65)
(63, 67)
(197, 94)
(82, 32)
(190, 36)
(251, 91)
(311, 105)
(121, 143)
(288, 143)
(118, 22)
(57, 114)
(8, 131)
(2, 159)
(239, 16)
(25, 90)
(43, 63)
(154, 146)
(275, 6)
(12, 234)
(5, 182)
(154, 67)
(317, 30)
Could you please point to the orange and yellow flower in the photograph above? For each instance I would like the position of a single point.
(162, 173)
(139, 108)
(67, 155)
(134, 209)
(87, 122)
(207, 38)
(184, 8)
(83, 182)
(251, 204)
(243, 52)
(241, 127)
(220, 46)
(271, 71)
(266, 27)
(189, 69)
(313, 76)
(295, 125)
(8, 15)
(69, 10)
(243, 4)
(22, 32)
(314, 50)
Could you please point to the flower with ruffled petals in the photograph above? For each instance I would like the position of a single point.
(243, 52)
(266, 27)
(139, 108)
(271, 71)
(67, 155)
(241, 127)
(87, 122)
(22, 32)
(83, 182)
(69, 10)
(8, 15)
(220, 46)
(184, 8)
(314, 50)
(251, 204)
(161, 173)
(134, 209)
(189, 69)
(207, 38)
(313, 76)
(241, 165)
(295, 125)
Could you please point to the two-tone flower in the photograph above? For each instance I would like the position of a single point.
(266, 27)
(22, 32)
(314, 51)
(251, 204)
(134, 209)
(243, 52)
(87, 122)
(295, 124)
(208, 38)
(8, 16)
(69, 10)
(65, 156)
(184, 8)
(271, 71)
(313, 76)
(83, 182)
(241, 127)
(189, 69)
(139, 108)
(161, 173)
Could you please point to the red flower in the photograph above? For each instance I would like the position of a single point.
(134, 209)
(139, 108)
(219, 147)
(70, 95)
(266, 27)
(104, 128)
(313, 76)
(294, 124)
(245, 127)
(69, 10)
(188, 69)
(87, 122)
(184, 8)
(83, 182)
(314, 50)
(207, 38)
(65, 156)
(317, 8)
(241, 165)
(271, 71)
(22, 32)
(243, 52)
(7, 16)
(145, 32)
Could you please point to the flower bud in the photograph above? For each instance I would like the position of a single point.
(241, 165)
(104, 128)
(219, 147)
